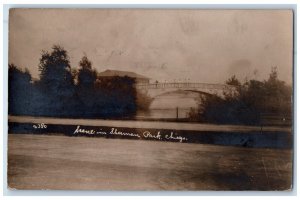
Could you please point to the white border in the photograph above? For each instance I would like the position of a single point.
(133, 4)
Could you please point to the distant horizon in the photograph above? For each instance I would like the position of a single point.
(171, 81)
(152, 80)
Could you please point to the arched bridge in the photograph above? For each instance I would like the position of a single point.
(156, 89)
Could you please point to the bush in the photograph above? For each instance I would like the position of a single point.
(247, 105)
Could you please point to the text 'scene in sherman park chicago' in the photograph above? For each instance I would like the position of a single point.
(150, 99)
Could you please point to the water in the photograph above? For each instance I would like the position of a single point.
(171, 106)
(163, 114)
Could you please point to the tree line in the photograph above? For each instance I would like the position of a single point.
(62, 91)
(253, 102)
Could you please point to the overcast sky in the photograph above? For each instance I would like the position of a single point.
(201, 45)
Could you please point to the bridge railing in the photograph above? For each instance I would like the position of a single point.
(184, 85)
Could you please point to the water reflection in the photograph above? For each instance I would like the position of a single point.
(171, 106)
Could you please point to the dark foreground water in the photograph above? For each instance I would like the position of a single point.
(80, 163)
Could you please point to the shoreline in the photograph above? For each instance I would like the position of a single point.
(252, 138)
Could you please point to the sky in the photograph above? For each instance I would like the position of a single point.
(206, 46)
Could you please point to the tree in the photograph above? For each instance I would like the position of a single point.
(56, 82)
(233, 81)
(86, 76)
(55, 70)
(251, 101)
(15, 75)
(86, 91)
(19, 87)
(278, 94)
(57, 95)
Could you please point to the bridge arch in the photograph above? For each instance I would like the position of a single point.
(156, 89)
(181, 90)
(179, 106)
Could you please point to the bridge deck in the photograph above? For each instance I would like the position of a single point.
(185, 85)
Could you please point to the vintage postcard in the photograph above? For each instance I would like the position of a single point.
(150, 99)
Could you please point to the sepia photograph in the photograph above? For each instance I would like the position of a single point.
(130, 99)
